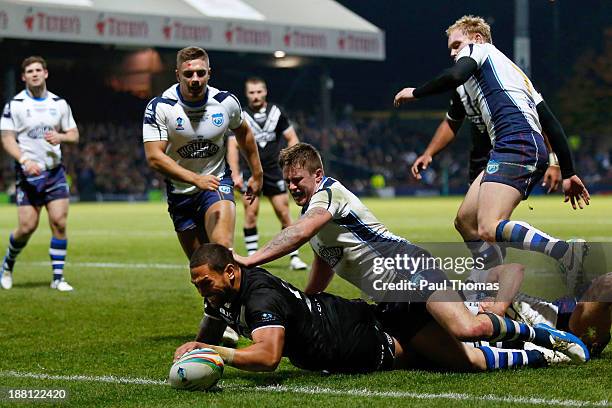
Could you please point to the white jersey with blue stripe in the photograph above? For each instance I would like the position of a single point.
(354, 237)
(501, 92)
(30, 118)
(195, 132)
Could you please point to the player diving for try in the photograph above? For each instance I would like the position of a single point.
(317, 331)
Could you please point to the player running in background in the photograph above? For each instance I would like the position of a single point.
(270, 126)
(507, 102)
(184, 139)
(34, 125)
(347, 239)
(316, 331)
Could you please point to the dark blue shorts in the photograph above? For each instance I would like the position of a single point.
(39, 190)
(187, 210)
(519, 161)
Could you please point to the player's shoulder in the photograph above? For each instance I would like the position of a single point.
(259, 283)
(19, 98)
(223, 97)
(168, 98)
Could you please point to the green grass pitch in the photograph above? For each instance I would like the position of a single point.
(133, 305)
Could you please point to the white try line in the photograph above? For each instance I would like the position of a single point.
(364, 392)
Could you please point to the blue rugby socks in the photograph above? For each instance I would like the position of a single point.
(57, 253)
(14, 248)
(523, 236)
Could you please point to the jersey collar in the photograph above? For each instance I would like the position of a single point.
(198, 104)
(35, 98)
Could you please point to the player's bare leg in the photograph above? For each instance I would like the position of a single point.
(58, 214)
(496, 202)
(219, 221)
(192, 239)
(466, 221)
(592, 318)
(251, 237)
(27, 222)
(280, 203)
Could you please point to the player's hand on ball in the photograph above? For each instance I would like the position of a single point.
(187, 347)
(208, 182)
(31, 168)
(404, 96)
(552, 178)
(575, 192)
(53, 137)
(422, 162)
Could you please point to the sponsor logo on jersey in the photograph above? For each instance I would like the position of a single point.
(267, 317)
(39, 132)
(53, 111)
(492, 167)
(225, 189)
(331, 255)
(198, 149)
(217, 119)
(179, 123)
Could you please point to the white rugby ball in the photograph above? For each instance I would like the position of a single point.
(196, 370)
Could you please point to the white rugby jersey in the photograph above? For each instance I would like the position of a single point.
(30, 118)
(502, 93)
(354, 237)
(195, 131)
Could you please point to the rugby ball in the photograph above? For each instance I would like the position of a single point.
(196, 370)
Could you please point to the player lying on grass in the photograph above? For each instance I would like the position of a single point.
(587, 315)
(325, 332)
(348, 240)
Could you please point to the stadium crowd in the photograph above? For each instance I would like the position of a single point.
(109, 159)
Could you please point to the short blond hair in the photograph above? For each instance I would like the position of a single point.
(301, 155)
(471, 25)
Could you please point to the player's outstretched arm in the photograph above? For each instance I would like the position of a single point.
(233, 160)
(246, 143)
(320, 276)
(444, 135)
(263, 355)
(448, 80)
(158, 160)
(289, 239)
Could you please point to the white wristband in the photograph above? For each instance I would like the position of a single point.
(552, 159)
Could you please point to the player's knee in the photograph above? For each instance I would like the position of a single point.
(27, 227)
(59, 228)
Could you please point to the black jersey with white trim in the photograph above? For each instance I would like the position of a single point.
(319, 329)
(268, 125)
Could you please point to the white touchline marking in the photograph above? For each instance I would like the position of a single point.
(114, 265)
(363, 392)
